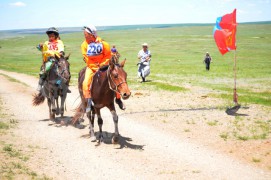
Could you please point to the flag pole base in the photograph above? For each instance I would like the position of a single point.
(232, 110)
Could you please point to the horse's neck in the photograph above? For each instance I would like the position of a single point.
(52, 74)
(102, 78)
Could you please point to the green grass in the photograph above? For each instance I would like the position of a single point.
(3, 125)
(177, 59)
(14, 80)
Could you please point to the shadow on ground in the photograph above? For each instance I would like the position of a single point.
(124, 142)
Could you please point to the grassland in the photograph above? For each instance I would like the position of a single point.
(177, 58)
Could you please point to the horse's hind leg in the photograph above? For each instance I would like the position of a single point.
(115, 138)
(91, 116)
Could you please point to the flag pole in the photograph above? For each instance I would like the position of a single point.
(235, 96)
(233, 110)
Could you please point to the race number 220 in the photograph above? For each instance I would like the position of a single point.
(94, 49)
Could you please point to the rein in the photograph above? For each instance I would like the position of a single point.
(110, 78)
(59, 74)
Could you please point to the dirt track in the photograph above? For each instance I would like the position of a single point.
(150, 144)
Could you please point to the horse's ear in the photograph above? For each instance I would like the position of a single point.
(122, 63)
(111, 64)
(67, 57)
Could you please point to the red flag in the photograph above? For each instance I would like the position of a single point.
(225, 32)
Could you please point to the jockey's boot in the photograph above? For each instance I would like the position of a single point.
(120, 103)
(89, 103)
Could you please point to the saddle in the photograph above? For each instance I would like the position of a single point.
(103, 68)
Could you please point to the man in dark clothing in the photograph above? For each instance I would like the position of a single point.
(207, 60)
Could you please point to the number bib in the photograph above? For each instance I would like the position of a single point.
(52, 46)
(94, 49)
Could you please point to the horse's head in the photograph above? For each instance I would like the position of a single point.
(64, 67)
(117, 78)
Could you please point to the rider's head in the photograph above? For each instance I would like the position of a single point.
(90, 33)
(52, 33)
(145, 46)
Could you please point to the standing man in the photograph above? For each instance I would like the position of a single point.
(207, 60)
(144, 57)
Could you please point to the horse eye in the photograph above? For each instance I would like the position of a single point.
(116, 76)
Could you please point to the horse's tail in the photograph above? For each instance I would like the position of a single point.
(38, 99)
(79, 112)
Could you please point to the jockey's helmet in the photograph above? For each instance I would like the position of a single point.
(91, 29)
(52, 30)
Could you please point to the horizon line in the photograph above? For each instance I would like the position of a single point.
(260, 22)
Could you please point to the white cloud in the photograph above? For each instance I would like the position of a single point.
(18, 4)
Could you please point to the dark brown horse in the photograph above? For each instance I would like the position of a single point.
(106, 82)
(55, 86)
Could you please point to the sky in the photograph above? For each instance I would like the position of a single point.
(27, 14)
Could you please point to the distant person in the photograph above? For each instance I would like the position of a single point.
(96, 53)
(51, 48)
(207, 60)
(144, 57)
(114, 50)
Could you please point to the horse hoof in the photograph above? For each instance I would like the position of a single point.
(63, 123)
(115, 139)
(93, 139)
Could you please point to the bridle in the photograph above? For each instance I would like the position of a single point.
(61, 73)
(110, 78)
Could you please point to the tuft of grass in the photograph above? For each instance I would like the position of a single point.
(212, 123)
(243, 138)
(224, 136)
(11, 151)
(4, 125)
(256, 160)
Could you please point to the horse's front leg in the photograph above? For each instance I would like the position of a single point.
(100, 123)
(91, 116)
(57, 105)
(115, 138)
(52, 97)
(51, 113)
(63, 98)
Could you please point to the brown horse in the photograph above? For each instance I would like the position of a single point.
(55, 86)
(107, 81)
